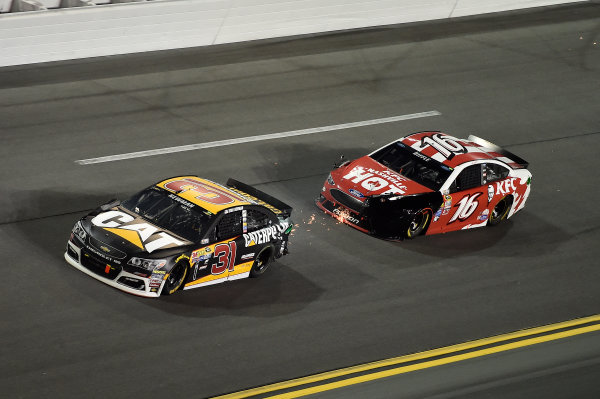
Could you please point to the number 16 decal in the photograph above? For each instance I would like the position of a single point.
(466, 206)
(224, 257)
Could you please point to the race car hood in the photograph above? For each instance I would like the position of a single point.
(366, 177)
(118, 233)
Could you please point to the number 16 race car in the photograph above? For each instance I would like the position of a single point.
(184, 232)
(427, 183)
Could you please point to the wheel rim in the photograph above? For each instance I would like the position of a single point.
(260, 263)
(499, 210)
(175, 276)
(418, 223)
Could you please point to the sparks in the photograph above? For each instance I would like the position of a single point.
(342, 216)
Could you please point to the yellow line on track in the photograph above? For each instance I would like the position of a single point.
(419, 356)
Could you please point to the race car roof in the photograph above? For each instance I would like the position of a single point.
(452, 151)
(205, 193)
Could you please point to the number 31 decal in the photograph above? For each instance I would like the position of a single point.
(445, 145)
(224, 257)
(466, 206)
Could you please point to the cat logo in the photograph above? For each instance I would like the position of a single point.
(143, 235)
(260, 236)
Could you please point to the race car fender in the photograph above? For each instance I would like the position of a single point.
(390, 215)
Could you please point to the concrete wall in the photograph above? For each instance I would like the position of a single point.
(70, 33)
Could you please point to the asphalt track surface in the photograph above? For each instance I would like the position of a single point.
(529, 82)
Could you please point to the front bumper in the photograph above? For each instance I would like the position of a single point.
(341, 213)
(116, 277)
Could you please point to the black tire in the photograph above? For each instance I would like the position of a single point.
(500, 211)
(418, 224)
(175, 279)
(262, 262)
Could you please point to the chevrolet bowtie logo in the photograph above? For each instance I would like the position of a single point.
(105, 249)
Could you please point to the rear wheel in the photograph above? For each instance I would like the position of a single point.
(418, 224)
(175, 279)
(262, 262)
(500, 211)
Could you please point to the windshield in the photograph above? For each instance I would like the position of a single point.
(168, 211)
(413, 165)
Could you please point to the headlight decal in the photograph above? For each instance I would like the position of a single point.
(147, 264)
(330, 180)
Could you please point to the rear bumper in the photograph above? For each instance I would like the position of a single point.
(73, 257)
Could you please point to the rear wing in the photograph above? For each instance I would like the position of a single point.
(484, 143)
(276, 206)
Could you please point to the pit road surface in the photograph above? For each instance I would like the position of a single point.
(529, 82)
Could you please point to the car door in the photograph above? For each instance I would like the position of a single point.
(465, 205)
(214, 262)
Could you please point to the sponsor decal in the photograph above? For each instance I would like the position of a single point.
(203, 192)
(143, 235)
(375, 180)
(244, 221)
(282, 226)
(483, 216)
(155, 282)
(181, 201)
(466, 206)
(224, 259)
(490, 193)
(252, 198)
(506, 186)
(234, 209)
(247, 256)
(447, 146)
(181, 257)
(437, 215)
(261, 236)
(422, 156)
(102, 255)
(356, 193)
(200, 258)
(344, 214)
(447, 204)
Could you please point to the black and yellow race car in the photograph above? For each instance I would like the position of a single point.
(181, 233)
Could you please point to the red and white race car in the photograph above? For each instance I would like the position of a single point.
(427, 183)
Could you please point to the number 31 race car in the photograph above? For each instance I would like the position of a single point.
(184, 232)
(427, 183)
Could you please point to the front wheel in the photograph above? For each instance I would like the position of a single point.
(418, 224)
(175, 279)
(262, 262)
(500, 211)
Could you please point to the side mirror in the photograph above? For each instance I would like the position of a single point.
(110, 204)
(340, 162)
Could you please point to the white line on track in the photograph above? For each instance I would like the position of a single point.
(271, 136)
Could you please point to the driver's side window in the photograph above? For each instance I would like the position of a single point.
(229, 226)
(467, 179)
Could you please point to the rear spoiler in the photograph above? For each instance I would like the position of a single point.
(484, 143)
(278, 207)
